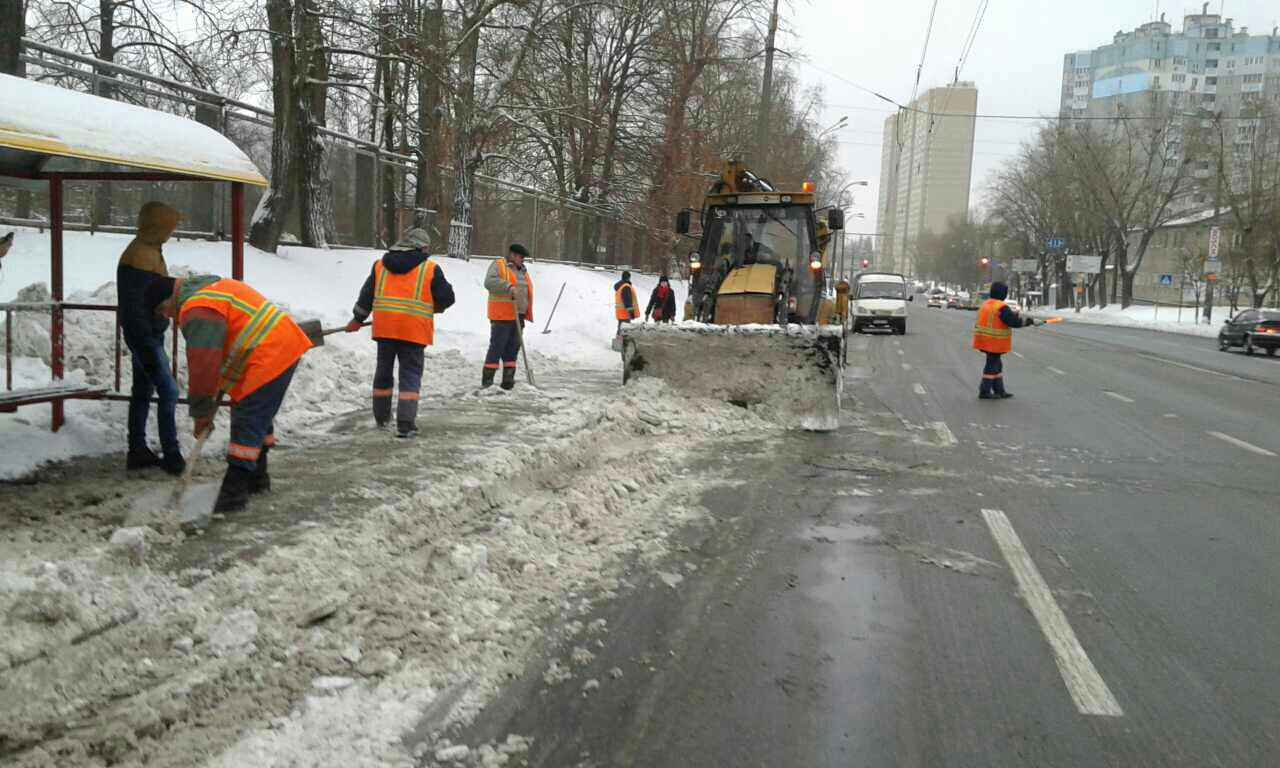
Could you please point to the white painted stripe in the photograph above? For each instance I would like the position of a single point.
(945, 437)
(1087, 688)
(1241, 444)
(919, 388)
(1189, 367)
(906, 366)
(901, 352)
(1055, 370)
(1117, 396)
(1019, 355)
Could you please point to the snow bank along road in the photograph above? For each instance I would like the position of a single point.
(1067, 578)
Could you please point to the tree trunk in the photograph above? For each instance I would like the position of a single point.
(280, 197)
(427, 192)
(312, 71)
(1102, 282)
(465, 157)
(389, 83)
(663, 198)
(11, 38)
(103, 201)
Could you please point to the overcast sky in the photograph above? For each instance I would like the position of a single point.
(1016, 62)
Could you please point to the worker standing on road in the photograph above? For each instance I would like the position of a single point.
(404, 291)
(993, 335)
(625, 306)
(141, 264)
(241, 345)
(662, 302)
(510, 301)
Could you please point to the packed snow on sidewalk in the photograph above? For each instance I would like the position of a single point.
(309, 284)
(1151, 318)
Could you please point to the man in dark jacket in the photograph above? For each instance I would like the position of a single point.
(141, 264)
(625, 305)
(403, 292)
(662, 302)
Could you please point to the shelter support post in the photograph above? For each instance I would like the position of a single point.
(55, 289)
(237, 230)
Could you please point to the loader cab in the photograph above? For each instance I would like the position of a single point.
(756, 251)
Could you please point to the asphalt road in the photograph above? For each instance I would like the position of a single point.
(1085, 575)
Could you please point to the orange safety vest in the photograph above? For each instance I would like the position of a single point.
(990, 334)
(502, 306)
(402, 304)
(620, 310)
(261, 342)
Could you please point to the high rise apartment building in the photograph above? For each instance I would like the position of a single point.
(926, 163)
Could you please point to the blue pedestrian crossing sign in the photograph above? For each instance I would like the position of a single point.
(1166, 280)
(1055, 243)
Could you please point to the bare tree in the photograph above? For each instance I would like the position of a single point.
(1247, 188)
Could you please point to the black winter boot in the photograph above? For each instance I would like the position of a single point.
(233, 496)
(486, 377)
(508, 377)
(173, 463)
(142, 458)
(382, 409)
(260, 481)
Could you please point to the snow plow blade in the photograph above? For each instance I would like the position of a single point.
(792, 373)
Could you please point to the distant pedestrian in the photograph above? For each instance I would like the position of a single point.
(625, 306)
(404, 292)
(662, 302)
(510, 301)
(142, 264)
(993, 336)
(240, 345)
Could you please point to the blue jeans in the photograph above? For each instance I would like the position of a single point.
(151, 375)
(252, 427)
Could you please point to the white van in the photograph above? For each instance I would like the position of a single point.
(879, 299)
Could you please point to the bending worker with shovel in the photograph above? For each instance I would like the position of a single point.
(240, 344)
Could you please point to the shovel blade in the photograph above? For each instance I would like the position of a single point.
(314, 332)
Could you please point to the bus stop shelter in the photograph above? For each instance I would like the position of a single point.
(51, 135)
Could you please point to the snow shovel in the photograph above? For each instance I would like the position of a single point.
(524, 355)
(316, 333)
(547, 327)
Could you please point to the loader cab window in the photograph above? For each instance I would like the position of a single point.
(780, 235)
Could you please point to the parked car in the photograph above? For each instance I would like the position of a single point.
(938, 300)
(1251, 329)
(953, 302)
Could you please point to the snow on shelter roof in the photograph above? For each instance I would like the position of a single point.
(39, 121)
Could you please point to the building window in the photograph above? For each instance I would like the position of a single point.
(1212, 80)
(1215, 46)
(1231, 63)
(1209, 98)
(1211, 33)
(1210, 63)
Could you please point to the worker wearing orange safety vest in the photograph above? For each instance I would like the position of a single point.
(625, 306)
(239, 345)
(993, 336)
(404, 292)
(510, 301)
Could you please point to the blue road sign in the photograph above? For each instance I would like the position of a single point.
(1166, 280)
(1055, 243)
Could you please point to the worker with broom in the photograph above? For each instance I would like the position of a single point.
(510, 302)
(993, 336)
(241, 345)
(403, 292)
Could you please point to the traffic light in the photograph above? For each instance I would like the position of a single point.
(984, 262)
(866, 263)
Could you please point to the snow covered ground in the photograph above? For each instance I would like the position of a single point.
(310, 284)
(1164, 318)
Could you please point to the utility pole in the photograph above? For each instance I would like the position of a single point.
(11, 38)
(766, 95)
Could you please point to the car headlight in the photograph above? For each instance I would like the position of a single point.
(900, 311)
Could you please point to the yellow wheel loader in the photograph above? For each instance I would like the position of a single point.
(760, 328)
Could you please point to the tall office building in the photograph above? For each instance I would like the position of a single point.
(926, 163)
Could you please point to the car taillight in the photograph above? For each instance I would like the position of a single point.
(1266, 329)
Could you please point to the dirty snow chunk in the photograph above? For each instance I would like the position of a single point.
(555, 673)
(351, 654)
(131, 543)
(322, 608)
(670, 579)
(590, 686)
(236, 630)
(455, 754)
(582, 656)
(184, 645)
(331, 683)
(616, 673)
(378, 663)
(597, 626)
(46, 602)
(514, 744)
(469, 560)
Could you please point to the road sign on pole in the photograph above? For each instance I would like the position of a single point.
(1166, 281)
(1026, 265)
(1087, 264)
(1215, 235)
(1055, 243)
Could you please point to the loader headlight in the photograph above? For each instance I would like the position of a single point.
(695, 265)
(815, 262)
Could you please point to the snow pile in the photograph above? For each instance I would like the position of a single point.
(1150, 318)
(310, 284)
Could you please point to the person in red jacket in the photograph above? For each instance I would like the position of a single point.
(662, 302)
(242, 346)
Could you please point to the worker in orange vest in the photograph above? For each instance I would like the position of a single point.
(510, 297)
(404, 292)
(625, 306)
(239, 345)
(993, 335)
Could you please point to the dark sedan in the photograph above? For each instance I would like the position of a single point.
(1252, 329)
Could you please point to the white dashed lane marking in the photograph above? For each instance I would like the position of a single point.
(1087, 688)
(1057, 371)
(1019, 355)
(945, 437)
(1117, 396)
(906, 366)
(919, 389)
(1237, 442)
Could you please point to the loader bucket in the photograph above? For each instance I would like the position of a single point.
(793, 373)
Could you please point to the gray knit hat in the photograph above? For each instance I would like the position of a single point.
(415, 239)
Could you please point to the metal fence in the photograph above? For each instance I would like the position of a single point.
(504, 211)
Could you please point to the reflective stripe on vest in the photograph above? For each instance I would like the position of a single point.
(990, 334)
(402, 304)
(502, 305)
(262, 320)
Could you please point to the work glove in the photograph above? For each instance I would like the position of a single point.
(203, 425)
(354, 325)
